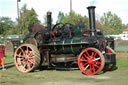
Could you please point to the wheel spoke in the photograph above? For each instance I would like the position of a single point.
(93, 68)
(19, 55)
(29, 65)
(30, 54)
(94, 56)
(87, 54)
(81, 60)
(31, 61)
(27, 51)
(19, 63)
(24, 67)
(96, 66)
(22, 57)
(96, 59)
(97, 62)
(90, 68)
(86, 66)
(22, 51)
(31, 57)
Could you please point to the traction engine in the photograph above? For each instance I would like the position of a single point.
(64, 45)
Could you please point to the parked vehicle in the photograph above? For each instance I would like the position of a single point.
(64, 45)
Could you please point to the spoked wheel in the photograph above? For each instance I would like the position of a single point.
(31, 41)
(91, 61)
(26, 58)
(109, 67)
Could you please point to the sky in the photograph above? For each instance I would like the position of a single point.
(119, 7)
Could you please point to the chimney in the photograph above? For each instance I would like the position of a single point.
(49, 20)
(91, 11)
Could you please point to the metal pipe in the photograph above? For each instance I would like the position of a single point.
(71, 7)
(49, 20)
(18, 10)
(91, 11)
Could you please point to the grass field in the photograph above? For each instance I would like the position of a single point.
(121, 47)
(52, 77)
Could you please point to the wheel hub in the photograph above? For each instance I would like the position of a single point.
(26, 59)
(90, 61)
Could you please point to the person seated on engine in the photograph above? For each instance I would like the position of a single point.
(57, 33)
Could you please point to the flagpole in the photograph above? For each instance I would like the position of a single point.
(18, 10)
(70, 6)
(18, 15)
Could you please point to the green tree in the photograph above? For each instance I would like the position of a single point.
(27, 17)
(6, 26)
(99, 25)
(75, 19)
(112, 24)
(126, 26)
(60, 17)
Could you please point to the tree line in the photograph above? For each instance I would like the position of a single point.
(109, 23)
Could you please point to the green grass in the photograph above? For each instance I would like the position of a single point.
(52, 77)
(122, 63)
(9, 59)
(121, 47)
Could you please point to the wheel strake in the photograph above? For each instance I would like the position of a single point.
(91, 61)
(26, 58)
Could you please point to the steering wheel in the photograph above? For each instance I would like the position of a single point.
(68, 30)
(57, 29)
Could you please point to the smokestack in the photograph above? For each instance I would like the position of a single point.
(49, 20)
(91, 11)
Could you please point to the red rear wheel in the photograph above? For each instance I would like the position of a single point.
(91, 61)
(27, 57)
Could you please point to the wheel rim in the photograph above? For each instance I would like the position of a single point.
(91, 61)
(109, 67)
(31, 41)
(39, 39)
(24, 58)
(108, 50)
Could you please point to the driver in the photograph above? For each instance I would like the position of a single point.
(57, 32)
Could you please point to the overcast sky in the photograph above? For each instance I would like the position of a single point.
(119, 7)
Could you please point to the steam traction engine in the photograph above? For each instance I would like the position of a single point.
(65, 45)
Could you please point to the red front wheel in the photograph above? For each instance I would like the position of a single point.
(91, 61)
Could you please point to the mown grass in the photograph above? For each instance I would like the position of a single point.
(52, 77)
(121, 47)
(122, 63)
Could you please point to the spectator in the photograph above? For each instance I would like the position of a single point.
(2, 55)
